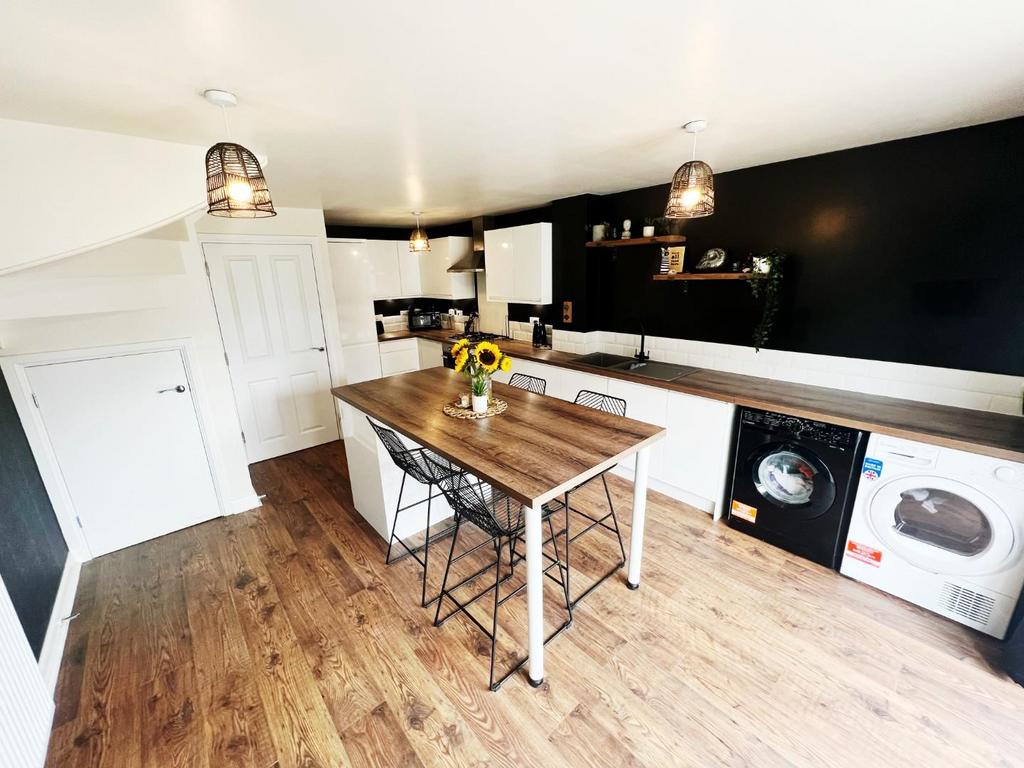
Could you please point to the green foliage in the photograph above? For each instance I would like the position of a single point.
(479, 385)
(767, 288)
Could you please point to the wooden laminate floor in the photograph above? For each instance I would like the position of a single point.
(279, 638)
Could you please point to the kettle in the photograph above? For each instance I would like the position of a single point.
(540, 335)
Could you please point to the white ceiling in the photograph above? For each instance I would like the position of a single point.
(372, 109)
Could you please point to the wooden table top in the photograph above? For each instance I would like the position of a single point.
(535, 451)
(966, 429)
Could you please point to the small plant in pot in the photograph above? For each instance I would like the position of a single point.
(479, 363)
(648, 227)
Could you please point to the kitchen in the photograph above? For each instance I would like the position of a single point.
(602, 429)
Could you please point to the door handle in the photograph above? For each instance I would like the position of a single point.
(319, 349)
(179, 389)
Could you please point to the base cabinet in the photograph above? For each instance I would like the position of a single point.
(401, 356)
(429, 353)
(691, 463)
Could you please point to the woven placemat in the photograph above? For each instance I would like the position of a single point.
(456, 411)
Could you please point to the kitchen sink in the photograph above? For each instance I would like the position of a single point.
(651, 369)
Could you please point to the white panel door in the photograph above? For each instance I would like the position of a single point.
(126, 437)
(269, 310)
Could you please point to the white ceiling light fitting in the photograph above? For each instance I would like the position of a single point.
(693, 187)
(418, 240)
(235, 184)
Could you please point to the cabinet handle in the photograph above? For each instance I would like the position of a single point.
(179, 389)
(319, 349)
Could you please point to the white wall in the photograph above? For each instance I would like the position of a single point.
(67, 190)
(79, 303)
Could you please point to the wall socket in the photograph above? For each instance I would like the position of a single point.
(566, 311)
(534, 320)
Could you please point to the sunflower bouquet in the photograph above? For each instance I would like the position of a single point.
(479, 363)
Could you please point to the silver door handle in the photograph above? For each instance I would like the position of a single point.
(179, 389)
(319, 349)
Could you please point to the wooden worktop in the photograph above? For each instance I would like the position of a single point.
(991, 434)
(535, 451)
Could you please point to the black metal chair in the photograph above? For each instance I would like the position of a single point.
(501, 520)
(533, 384)
(415, 463)
(616, 406)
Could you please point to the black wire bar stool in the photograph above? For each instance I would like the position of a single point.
(500, 518)
(415, 463)
(533, 384)
(616, 406)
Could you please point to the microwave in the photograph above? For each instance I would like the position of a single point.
(418, 321)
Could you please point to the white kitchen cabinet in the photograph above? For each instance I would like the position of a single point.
(400, 356)
(568, 384)
(551, 374)
(352, 277)
(649, 404)
(519, 264)
(395, 271)
(385, 277)
(697, 447)
(429, 353)
(437, 281)
(409, 270)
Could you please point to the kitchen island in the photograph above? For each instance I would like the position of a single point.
(536, 451)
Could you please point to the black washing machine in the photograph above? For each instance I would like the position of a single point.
(794, 483)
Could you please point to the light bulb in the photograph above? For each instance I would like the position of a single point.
(691, 198)
(240, 191)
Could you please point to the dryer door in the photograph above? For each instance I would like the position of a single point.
(943, 526)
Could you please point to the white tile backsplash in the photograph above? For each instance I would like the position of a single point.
(964, 389)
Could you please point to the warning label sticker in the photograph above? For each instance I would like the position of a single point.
(864, 553)
(744, 511)
(872, 468)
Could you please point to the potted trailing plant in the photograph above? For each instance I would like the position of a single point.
(766, 286)
(478, 364)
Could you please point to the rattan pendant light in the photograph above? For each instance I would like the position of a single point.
(418, 240)
(693, 187)
(235, 184)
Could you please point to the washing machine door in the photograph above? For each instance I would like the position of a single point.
(792, 478)
(943, 526)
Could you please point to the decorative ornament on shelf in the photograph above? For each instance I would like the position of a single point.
(626, 226)
(235, 185)
(479, 363)
(648, 227)
(712, 260)
(693, 187)
(418, 240)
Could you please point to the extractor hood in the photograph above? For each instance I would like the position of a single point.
(474, 262)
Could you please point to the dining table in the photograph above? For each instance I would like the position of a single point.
(535, 451)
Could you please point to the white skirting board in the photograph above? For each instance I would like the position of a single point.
(242, 504)
(57, 630)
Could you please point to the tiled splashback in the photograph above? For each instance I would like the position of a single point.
(946, 386)
(400, 322)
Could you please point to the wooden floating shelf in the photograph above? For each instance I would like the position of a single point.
(709, 276)
(656, 240)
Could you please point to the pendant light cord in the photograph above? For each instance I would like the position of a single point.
(693, 154)
(227, 127)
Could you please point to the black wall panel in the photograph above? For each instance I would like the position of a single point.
(32, 549)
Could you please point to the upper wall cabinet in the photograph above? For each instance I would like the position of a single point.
(400, 274)
(437, 281)
(385, 269)
(519, 264)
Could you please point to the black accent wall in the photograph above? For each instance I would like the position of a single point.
(32, 549)
(909, 251)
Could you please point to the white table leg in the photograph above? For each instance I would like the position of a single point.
(535, 595)
(636, 536)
